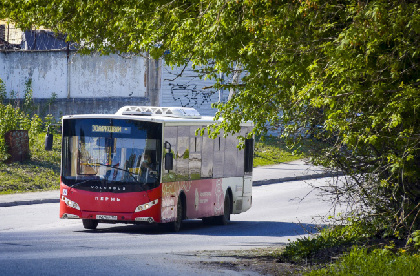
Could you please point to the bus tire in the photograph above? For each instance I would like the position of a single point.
(225, 218)
(90, 224)
(208, 220)
(175, 226)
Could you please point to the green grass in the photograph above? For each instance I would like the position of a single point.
(274, 150)
(359, 261)
(41, 172)
(328, 242)
(356, 250)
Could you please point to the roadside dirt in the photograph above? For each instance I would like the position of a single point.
(267, 261)
(261, 261)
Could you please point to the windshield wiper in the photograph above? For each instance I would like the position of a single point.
(80, 183)
(117, 168)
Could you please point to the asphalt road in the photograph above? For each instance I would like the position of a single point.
(33, 241)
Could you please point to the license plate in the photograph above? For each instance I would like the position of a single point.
(106, 217)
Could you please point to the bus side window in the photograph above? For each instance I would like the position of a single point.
(183, 153)
(194, 166)
(219, 156)
(207, 157)
(231, 156)
(240, 162)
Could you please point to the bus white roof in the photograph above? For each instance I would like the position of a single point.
(177, 112)
(165, 115)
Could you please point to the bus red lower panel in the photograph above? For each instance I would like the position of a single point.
(204, 198)
(108, 205)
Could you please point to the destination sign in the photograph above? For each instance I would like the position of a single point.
(114, 129)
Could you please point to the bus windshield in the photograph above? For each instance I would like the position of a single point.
(111, 155)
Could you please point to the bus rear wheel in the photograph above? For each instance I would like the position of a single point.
(90, 224)
(225, 218)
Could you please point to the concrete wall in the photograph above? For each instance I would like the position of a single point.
(46, 69)
(74, 76)
(81, 84)
(102, 84)
(107, 105)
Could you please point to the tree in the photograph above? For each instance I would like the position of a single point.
(344, 72)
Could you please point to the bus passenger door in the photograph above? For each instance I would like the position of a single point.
(248, 166)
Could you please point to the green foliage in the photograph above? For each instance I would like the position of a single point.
(50, 158)
(14, 118)
(28, 104)
(186, 154)
(35, 128)
(272, 150)
(414, 240)
(378, 262)
(11, 119)
(3, 93)
(345, 72)
(171, 177)
(331, 239)
(42, 172)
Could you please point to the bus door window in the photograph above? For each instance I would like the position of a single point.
(171, 136)
(85, 158)
(194, 164)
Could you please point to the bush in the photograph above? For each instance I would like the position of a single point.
(42, 172)
(377, 262)
(11, 119)
(328, 242)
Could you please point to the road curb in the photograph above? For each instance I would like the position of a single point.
(29, 202)
(295, 178)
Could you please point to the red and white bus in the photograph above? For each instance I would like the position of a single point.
(146, 165)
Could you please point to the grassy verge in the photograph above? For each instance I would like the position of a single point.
(41, 172)
(362, 261)
(274, 150)
(353, 249)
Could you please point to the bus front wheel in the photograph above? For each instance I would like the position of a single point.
(90, 224)
(175, 226)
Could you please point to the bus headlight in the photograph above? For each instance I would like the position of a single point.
(70, 203)
(145, 206)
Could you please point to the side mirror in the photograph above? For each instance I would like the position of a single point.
(169, 157)
(49, 137)
(48, 141)
(169, 161)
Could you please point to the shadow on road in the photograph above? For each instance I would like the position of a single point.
(234, 229)
(296, 178)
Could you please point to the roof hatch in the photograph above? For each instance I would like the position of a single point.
(177, 112)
